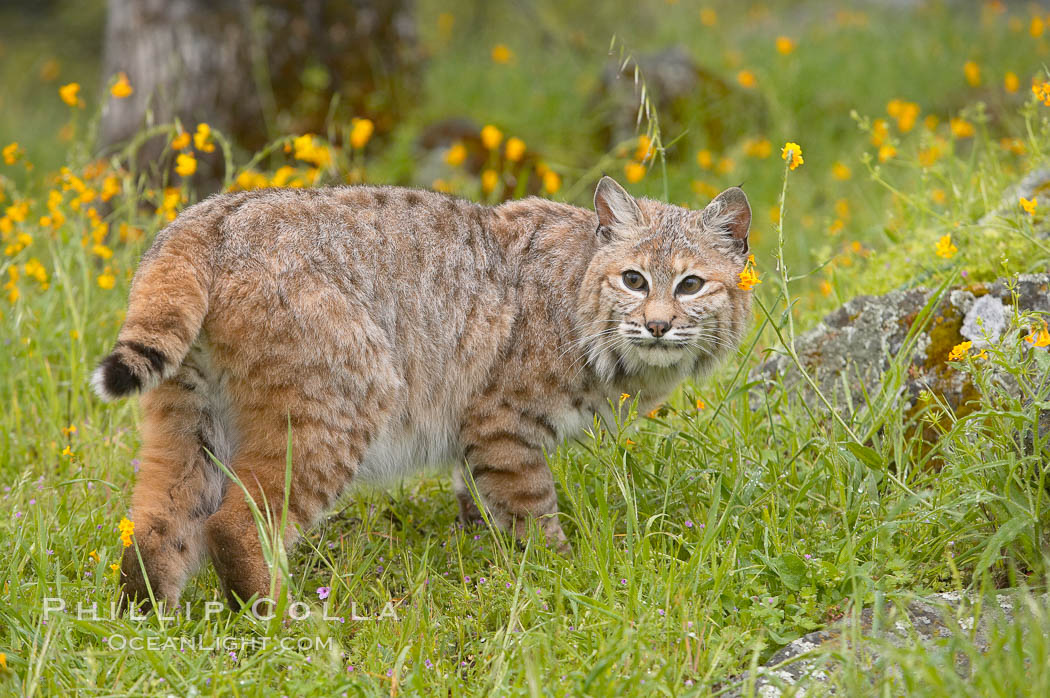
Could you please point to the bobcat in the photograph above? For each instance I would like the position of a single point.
(391, 329)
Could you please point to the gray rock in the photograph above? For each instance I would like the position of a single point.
(850, 352)
(985, 321)
(807, 663)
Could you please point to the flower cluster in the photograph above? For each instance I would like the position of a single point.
(792, 155)
(945, 247)
(749, 277)
(127, 529)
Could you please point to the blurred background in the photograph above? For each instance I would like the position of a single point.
(677, 99)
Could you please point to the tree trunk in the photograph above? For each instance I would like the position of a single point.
(255, 68)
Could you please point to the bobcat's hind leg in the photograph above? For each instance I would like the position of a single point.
(326, 453)
(177, 488)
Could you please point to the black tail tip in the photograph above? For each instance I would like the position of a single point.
(114, 379)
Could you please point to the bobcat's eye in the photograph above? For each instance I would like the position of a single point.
(689, 285)
(634, 280)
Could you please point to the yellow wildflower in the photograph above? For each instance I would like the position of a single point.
(456, 154)
(17, 212)
(929, 156)
(308, 149)
(551, 182)
(905, 113)
(515, 149)
(282, 176)
(725, 166)
(202, 139)
(758, 148)
(70, 94)
(250, 179)
(961, 128)
(127, 529)
(502, 54)
(880, 131)
(938, 196)
(700, 404)
(792, 154)
(1042, 92)
(644, 149)
(361, 131)
(106, 280)
(1029, 205)
(1013, 145)
(704, 159)
(102, 251)
(446, 21)
(959, 351)
(110, 188)
(181, 141)
(785, 45)
(841, 171)
(945, 247)
(704, 189)
(491, 137)
(972, 71)
(94, 555)
(1011, 83)
(11, 152)
(708, 17)
(489, 180)
(122, 87)
(115, 567)
(624, 397)
(749, 277)
(842, 209)
(1042, 339)
(185, 164)
(634, 171)
(1036, 27)
(3, 661)
(825, 288)
(886, 151)
(746, 79)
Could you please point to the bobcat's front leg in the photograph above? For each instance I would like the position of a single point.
(513, 480)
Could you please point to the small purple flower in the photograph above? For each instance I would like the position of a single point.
(466, 579)
(508, 585)
(623, 582)
(481, 580)
(323, 592)
(688, 523)
(429, 664)
(389, 672)
(32, 502)
(807, 556)
(660, 611)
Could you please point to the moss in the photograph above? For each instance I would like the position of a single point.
(944, 335)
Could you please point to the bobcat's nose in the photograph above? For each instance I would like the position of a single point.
(657, 327)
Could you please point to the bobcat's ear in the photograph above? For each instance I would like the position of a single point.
(615, 208)
(729, 213)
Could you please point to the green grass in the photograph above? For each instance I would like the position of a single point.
(705, 539)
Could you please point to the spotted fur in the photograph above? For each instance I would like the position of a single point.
(394, 329)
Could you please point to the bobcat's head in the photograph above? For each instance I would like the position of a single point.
(661, 290)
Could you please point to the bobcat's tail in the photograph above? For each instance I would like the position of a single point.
(169, 299)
